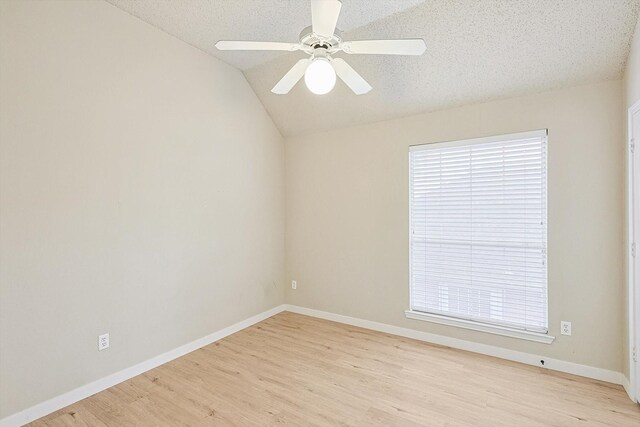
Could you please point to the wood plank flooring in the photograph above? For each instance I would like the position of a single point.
(300, 371)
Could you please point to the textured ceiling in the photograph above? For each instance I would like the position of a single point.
(476, 50)
(202, 23)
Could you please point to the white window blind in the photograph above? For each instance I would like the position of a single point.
(478, 214)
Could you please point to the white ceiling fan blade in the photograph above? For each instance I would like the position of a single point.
(248, 45)
(324, 16)
(386, 47)
(350, 76)
(290, 79)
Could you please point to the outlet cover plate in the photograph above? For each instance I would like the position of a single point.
(103, 342)
(565, 327)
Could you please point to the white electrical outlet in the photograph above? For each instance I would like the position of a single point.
(565, 327)
(103, 342)
(294, 284)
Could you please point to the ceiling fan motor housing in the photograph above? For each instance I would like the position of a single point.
(312, 42)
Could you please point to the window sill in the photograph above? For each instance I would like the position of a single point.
(482, 327)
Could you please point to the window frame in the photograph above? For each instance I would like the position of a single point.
(461, 322)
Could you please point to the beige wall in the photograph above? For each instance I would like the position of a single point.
(141, 193)
(631, 86)
(347, 216)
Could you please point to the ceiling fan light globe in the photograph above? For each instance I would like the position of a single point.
(320, 77)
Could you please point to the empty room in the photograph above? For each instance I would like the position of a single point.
(319, 213)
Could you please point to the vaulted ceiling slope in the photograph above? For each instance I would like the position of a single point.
(476, 50)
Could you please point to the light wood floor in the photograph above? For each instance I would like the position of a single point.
(297, 370)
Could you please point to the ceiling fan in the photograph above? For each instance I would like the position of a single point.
(320, 41)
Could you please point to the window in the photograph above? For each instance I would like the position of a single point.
(478, 218)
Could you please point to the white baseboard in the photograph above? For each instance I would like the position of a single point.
(503, 353)
(66, 399)
(627, 387)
